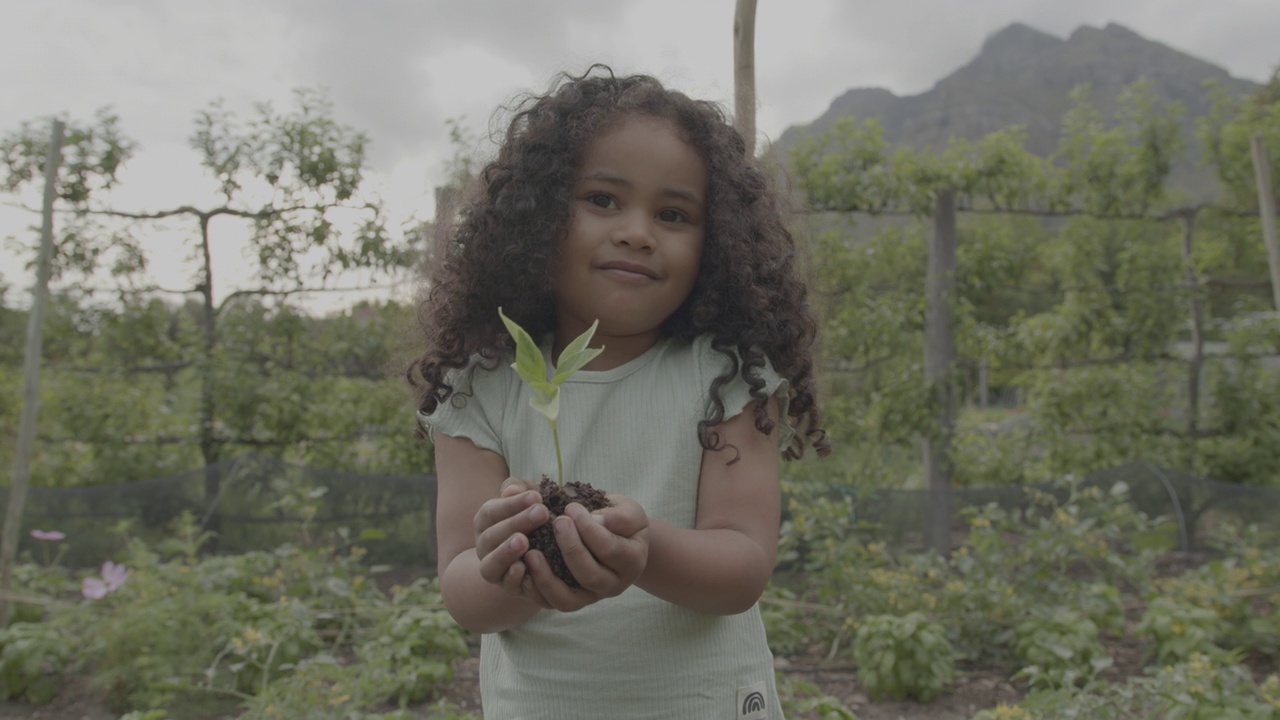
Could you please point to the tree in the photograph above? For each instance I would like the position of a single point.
(293, 180)
(1076, 278)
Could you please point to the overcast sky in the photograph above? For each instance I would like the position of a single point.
(398, 69)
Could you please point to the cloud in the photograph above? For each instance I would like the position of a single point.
(400, 68)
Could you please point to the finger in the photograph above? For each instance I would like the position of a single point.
(595, 537)
(623, 557)
(495, 564)
(528, 587)
(586, 569)
(551, 589)
(500, 508)
(624, 517)
(513, 580)
(501, 518)
(514, 486)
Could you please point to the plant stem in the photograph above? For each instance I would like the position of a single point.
(555, 437)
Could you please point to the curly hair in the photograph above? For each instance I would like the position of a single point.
(502, 250)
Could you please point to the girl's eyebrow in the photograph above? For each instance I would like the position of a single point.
(669, 191)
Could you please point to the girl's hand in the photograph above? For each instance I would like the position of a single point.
(606, 550)
(502, 526)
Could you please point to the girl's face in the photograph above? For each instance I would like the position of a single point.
(634, 242)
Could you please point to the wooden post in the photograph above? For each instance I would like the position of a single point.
(984, 383)
(1196, 365)
(744, 72)
(939, 361)
(31, 373)
(1267, 207)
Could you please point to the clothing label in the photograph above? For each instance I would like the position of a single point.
(753, 703)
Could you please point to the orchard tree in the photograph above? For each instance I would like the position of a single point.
(292, 182)
(1077, 280)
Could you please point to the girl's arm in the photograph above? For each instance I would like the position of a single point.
(724, 562)
(482, 521)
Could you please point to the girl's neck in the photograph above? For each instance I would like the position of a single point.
(618, 351)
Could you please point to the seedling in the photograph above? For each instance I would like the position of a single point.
(532, 369)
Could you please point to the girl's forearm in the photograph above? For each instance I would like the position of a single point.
(477, 605)
(716, 571)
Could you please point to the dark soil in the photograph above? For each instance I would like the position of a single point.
(557, 498)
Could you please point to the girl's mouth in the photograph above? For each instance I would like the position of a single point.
(628, 271)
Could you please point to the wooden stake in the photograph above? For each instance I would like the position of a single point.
(31, 372)
(939, 361)
(744, 72)
(1267, 206)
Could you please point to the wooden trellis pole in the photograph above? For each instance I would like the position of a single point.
(939, 369)
(1267, 207)
(31, 372)
(744, 72)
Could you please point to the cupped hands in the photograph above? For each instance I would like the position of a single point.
(606, 550)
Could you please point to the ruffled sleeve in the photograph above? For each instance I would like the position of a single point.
(736, 394)
(475, 408)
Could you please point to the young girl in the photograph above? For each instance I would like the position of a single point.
(615, 199)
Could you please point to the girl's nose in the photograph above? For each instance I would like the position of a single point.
(634, 230)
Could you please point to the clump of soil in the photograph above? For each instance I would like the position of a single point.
(557, 498)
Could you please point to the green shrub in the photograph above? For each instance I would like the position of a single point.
(1059, 648)
(272, 640)
(1179, 630)
(414, 646)
(1202, 688)
(1104, 605)
(33, 656)
(1199, 689)
(901, 657)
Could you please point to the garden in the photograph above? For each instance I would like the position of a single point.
(1062, 601)
(1106, 329)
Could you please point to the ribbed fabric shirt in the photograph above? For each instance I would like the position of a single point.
(631, 430)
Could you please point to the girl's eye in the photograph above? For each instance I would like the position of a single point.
(600, 200)
(670, 215)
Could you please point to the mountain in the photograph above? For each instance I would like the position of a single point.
(1023, 76)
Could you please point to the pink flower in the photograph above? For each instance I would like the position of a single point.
(113, 576)
(53, 535)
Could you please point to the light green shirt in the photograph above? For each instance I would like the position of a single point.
(631, 430)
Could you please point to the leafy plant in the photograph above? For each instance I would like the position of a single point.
(903, 657)
(32, 657)
(1181, 630)
(1059, 647)
(1199, 689)
(415, 644)
(532, 369)
(802, 698)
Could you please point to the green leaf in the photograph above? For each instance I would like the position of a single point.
(576, 355)
(529, 364)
